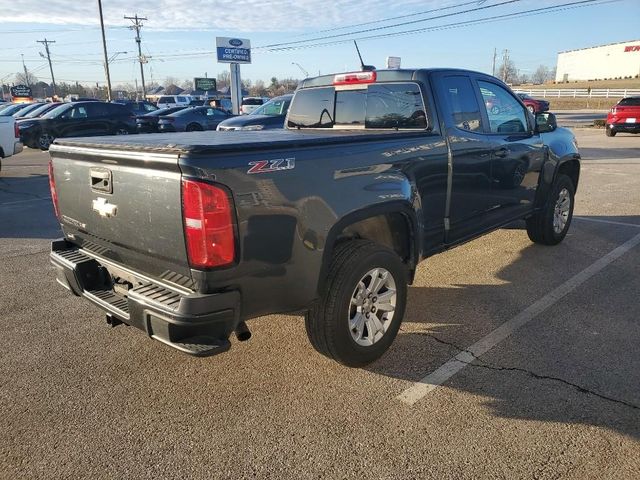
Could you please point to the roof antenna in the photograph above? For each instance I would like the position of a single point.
(363, 67)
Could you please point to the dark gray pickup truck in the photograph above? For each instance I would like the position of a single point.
(186, 236)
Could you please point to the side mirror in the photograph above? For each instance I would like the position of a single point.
(546, 122)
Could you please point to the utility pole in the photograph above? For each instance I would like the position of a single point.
(505, 63)
(493, 67)
(46, 43)
(104, 49)
(26, 74)
(137, 25)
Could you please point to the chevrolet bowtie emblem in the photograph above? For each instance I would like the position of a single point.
(104, 208)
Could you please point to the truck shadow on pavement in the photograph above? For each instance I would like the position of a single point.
(576, 362)
(25, 208)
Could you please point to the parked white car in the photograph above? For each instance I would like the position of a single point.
(249, 104)
(167, 101)
(9, 137)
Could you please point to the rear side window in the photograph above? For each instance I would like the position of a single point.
(252, 101)
(463, 105)
(630, 102)
(382, 105)
(182, 99)
(167, 100)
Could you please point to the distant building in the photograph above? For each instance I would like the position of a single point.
(615, 60)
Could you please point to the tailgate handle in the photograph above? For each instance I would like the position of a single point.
(101, 180)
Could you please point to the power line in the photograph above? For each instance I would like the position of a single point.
(46, 43)
(401, 24)
(373, 22)
(137, 25)
(525, 13)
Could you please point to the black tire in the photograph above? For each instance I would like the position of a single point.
(327, 323)
(609, 132)
(45, 140)
(193, 127)
(540, 227)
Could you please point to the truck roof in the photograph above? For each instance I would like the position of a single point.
(394, 75)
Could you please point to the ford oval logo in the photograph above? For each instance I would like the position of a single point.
(236, 42)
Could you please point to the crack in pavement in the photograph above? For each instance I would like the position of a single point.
(537, 376)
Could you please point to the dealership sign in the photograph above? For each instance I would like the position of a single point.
(233, 50)
(632, 48)
(205, 84)
(21, 91)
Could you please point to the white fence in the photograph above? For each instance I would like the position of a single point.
(579, 92)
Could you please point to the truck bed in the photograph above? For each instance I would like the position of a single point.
(210, 142)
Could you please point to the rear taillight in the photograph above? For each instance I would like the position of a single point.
(54, 193)
(16, 130)
(354, 78)
(208, 224)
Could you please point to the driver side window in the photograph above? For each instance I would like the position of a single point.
(505, 113)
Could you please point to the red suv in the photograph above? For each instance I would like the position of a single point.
(624, 117)
(534, 105)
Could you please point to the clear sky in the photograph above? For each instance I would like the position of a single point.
(180, 36)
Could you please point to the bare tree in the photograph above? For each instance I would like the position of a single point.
(187, 84)
(542, 74)
(508, 72)
(223, 79)
(26, 78)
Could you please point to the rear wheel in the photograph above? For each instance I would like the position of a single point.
(122, 131)
(194, 127)
(361, 308)
(532, 109)
(45, 140)
(550, 226)
(609, 131)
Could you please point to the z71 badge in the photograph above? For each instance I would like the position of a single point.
(266, 166)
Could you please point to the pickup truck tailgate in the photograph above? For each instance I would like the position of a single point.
(125, 206)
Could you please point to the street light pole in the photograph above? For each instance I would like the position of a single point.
(305, 73)
(104, 48)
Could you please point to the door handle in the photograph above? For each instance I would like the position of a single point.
(502, 152)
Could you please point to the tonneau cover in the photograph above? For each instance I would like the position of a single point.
(203, 142)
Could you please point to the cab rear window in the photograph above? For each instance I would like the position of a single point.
(382, 105)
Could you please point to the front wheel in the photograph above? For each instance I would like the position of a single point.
(532, 109)
(550, 226)
(362, 305)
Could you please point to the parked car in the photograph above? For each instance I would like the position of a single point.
(267, 116)
(9, 137)
(148, 123)
(9, 110)
(534, 105)
(25, 111)
(192, 119)
(624, 116)
(137, 107)
(249, 104)
(38, 112)
(190, 235)
(77, 119)
(167, 101)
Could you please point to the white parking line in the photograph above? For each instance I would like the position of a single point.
(429, 383)
(612, 222)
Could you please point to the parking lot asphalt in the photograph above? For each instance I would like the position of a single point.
(557, 396)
